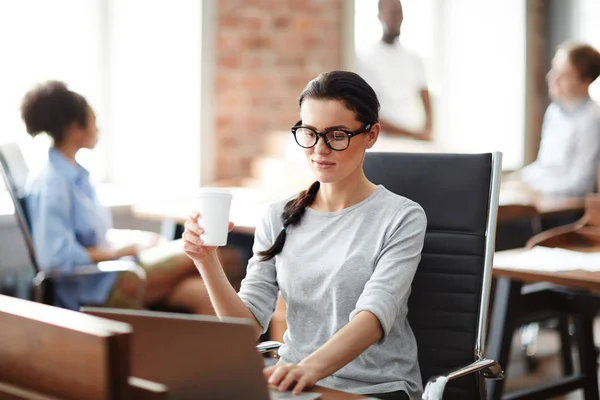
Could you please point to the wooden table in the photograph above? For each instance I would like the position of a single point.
(330, 394)
(515, 205)
(512, 306)
(584, 280)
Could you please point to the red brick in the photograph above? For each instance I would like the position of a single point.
(252, 62)
(256, 43)
(229, 61)
(228, 21)
(266, 52)
(281, 22)
(254, 22)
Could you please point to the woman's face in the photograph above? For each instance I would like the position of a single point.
(86, 137)
(327, 165)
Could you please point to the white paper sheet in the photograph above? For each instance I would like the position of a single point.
(549, 260)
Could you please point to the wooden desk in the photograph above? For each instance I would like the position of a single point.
(330, 394)
(516, 205)
(62, 353)
(513, 306)
(584, 280)
(250, 203)
(51, 353)
(13, 392)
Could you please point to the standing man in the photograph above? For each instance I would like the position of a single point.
(398, 77)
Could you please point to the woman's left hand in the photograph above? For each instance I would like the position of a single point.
(284, 376)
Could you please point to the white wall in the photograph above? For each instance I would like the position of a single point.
(145, 67)
(42, 40)
(482, 54)
(154, 73)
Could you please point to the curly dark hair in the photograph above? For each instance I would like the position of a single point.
(51, 107)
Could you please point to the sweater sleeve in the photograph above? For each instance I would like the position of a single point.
(259, 289)
(388, 289)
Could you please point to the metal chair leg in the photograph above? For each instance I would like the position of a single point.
(566, 348)
(588, 357)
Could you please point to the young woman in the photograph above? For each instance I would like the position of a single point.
(70, 226)
(343, 254)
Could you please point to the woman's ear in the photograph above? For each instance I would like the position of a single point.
(73, 131)
(372, 136)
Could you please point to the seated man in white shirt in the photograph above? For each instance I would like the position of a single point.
(569, 155)
(398, 77)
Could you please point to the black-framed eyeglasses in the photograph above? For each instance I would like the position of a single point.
(336, 139)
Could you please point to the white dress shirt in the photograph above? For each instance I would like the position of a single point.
(567, 162)
(397, 75)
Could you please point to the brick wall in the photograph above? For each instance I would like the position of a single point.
(267, 50)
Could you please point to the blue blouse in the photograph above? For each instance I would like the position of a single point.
(66, 219)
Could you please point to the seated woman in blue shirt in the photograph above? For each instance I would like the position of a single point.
(70, 226)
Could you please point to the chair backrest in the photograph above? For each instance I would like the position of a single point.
(13, 157)
(14, 172)
(450, 292)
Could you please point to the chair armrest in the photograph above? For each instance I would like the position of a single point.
(95, 269)
(434, 389)
(265, 347)
(103, 267)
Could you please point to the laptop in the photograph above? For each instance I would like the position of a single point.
(197, 357)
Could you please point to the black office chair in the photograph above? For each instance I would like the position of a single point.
(448, 305)
(12, 165)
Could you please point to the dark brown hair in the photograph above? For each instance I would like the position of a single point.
(51, 107)
(584, 58)
(357, 96)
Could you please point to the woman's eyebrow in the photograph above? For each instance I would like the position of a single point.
(328, 128)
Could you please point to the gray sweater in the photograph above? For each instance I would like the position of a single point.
(334, 265)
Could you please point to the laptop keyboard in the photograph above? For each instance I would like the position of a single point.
(275, 394)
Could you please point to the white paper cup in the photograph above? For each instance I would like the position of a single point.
(213, 204)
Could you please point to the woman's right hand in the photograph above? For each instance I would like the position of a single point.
(192, 243)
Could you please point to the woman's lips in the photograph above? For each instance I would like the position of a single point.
(323, 164)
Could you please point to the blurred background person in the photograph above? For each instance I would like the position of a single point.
(70, 226)
(398, 76)
(567, 161)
